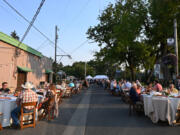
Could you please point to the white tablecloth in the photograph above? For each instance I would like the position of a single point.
(161, 108)
(148, 108)
(6, 106)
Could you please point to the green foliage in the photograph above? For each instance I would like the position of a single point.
(134, 33)
(118, 31)
(14, 35)
(78, 70)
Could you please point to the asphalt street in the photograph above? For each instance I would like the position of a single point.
(96, 112)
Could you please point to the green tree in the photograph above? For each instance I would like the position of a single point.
(119, 34)
(14, 35)
(158, 27)
(78, 70)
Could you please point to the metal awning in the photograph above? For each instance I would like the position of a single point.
(48, 71)
(24, 69)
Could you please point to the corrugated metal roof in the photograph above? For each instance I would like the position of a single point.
(14, 42)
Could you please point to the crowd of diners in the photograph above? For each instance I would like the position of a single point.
(135, 88)
(29, 94)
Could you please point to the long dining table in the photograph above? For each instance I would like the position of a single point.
(7, 104)
(162, 108)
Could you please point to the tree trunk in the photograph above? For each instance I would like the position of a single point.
(132, 74)
(150, 75)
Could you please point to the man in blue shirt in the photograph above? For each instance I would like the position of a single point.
(134, 96)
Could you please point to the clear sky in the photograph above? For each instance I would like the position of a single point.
(73, 18)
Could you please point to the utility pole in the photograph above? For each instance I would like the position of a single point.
(55, 64)
(85, 71)
(176, 46)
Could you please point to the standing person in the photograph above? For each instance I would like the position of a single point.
(118, 88)
(4, 88)
(26, 96)
(52, 93)
(85, 84)
(112, 86)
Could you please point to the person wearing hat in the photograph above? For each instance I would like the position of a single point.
(26, 96)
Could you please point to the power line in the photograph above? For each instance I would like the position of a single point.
(31, 23)
(41, 45)
(17, 12)
(7, 11)
(79, 13)
(10, 13)
(79, 46)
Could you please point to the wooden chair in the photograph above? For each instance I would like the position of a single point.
(68, 92)
(131, 105)
(1, 114)
(177, 123)
(79, 89)
(1, 127)
(48, 109)
(59, 96)
(33, 114)
(137, 107)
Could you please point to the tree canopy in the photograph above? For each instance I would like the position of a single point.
(134, 33)
(14, 35)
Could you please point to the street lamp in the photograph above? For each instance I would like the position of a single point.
(69, 56)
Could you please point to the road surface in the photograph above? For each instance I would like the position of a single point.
(96, 112)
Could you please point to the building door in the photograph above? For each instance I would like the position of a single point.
(47, 78)
(21, 79)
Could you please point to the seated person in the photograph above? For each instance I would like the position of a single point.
(138, 90)
(4, 88)
(138, 83)
(71, 85)
(26, 96)
(157, 86)
(128, 85)
(134, 96)
(172, 89)
(112, 85)
(118, 88)
(149, 87)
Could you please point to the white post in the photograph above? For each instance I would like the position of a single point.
(85, 71)
(176, 45)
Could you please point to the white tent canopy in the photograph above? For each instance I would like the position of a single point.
(89, 77)
(101, 77)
